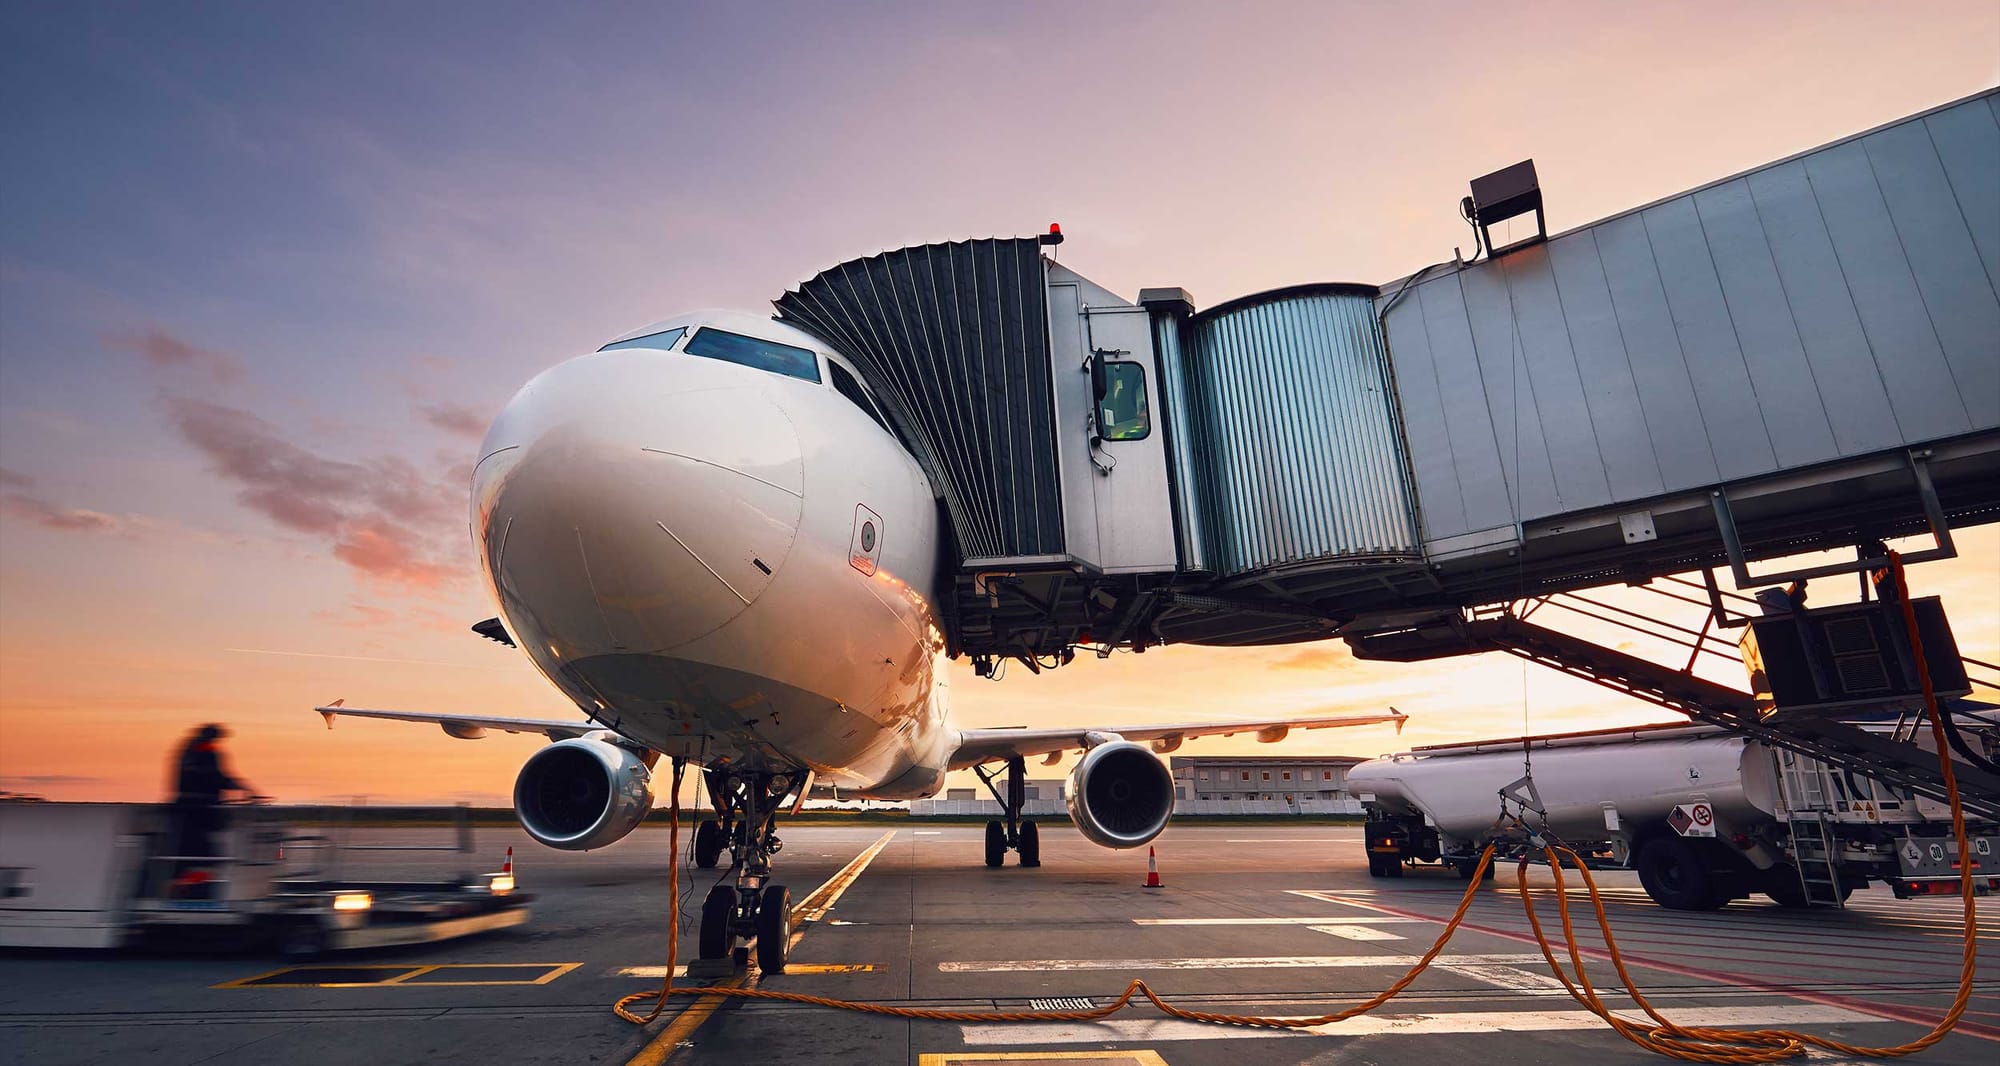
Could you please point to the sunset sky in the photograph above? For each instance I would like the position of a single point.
(267, 271)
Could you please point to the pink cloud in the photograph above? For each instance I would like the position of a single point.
(383, 517)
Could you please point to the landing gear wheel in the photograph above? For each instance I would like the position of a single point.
(1031, 845)
(707, 844)
(996, 843)
(774, 928)
(718, 913)
(1677, 878)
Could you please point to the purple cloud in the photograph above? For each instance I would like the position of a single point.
(168, 352)
(456, 418)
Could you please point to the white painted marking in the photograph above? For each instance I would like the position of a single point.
(1516, 980)
(1355, 932)
(929, 832)
(1290, 840)
(1145, 1030)
(1383, 920)
(1223, 963)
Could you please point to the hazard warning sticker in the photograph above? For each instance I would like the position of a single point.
(1693, 820)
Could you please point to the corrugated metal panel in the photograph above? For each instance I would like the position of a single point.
(1838, 304)
(954, 337)
(1181, 444)
(1295, 449)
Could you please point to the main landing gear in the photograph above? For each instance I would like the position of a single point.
(747, 906)
(1012, 831)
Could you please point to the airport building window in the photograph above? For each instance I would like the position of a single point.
(844, 383)
(1246, 775)
(711, 343)
(1267, 775)
(1326, 775)
(1122, 413)
(1287, 775)
(664, 341)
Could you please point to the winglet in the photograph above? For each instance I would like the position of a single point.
(327, 712)
(1400, 719)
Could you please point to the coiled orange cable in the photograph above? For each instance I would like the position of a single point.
(1691, 1044)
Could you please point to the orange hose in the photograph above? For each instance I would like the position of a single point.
(1692, 1044)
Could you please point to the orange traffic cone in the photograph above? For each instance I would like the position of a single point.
(1152, 869)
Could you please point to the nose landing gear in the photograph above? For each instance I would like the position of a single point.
(1012, 832)
(747, 906)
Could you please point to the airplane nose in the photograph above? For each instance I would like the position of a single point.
(626, 503)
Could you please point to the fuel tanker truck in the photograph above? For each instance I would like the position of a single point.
(1705, 816)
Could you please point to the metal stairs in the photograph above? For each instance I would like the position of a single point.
(1836, 743)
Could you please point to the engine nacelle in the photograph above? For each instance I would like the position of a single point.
(582, 793)
(1120, 796)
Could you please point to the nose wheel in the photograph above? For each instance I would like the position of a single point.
(746, 906)
(1010, 832)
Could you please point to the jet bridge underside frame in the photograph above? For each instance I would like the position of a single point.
(1013, 610)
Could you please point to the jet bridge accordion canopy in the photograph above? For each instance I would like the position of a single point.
(954, 338)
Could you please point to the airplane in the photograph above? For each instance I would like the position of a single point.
(708, 537)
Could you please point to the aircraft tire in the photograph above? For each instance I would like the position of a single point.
(707, 844)
(996, 843)
(718, 911)
(774, 928)
(1031, 845)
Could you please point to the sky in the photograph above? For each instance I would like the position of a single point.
(267, 271)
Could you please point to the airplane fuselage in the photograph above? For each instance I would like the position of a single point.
(714, 546)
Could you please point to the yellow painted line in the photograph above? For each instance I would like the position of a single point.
(808, 910)
(405, 975)
(791, 969)
(1135, 1056)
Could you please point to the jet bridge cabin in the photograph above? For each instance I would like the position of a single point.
(1800, 357)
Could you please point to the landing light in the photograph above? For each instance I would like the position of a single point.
(353, 901)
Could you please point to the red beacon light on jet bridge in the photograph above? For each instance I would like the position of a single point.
(1054, 235)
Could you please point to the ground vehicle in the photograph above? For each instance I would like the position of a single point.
(98, 875)
(1705, 816)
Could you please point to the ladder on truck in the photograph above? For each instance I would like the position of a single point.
(1807, 791)
(1835, 743)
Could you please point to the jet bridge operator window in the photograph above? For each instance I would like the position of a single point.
(1121, 410)
(711, 343)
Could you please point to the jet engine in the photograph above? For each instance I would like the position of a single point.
(582, 793)
(1120, 795)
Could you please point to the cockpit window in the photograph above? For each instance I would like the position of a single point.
(662, 341)
(711, 343)
(844, 383)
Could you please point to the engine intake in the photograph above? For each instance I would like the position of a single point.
(1120, 796)
(582, 793)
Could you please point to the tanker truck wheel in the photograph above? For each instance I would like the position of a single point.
(1677, 878)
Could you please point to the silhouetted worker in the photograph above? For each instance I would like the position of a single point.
(199, 785)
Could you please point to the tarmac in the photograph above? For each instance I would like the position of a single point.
(1269, 919)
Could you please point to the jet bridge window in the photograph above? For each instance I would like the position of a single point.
(711, 343)
(1121, 405)
(844, 383)
(663, 341)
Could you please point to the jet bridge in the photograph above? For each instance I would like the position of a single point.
(1805, 356)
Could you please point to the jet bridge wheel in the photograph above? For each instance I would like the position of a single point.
(1031, 845)
(708, 843)
(996, 843)
(718, 914)
(774, 928)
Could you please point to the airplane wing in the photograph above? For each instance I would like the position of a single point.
(985, 745)
(463, 726)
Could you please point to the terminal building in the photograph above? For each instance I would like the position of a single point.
(1203, 784)
(1263, 784)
